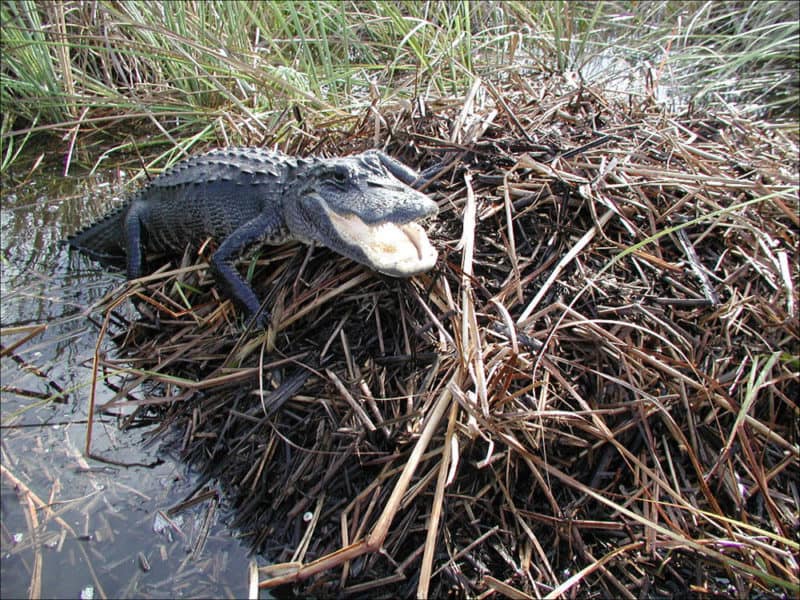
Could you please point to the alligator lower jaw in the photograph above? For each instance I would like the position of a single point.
(399, 250)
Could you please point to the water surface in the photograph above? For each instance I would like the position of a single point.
(107, 532)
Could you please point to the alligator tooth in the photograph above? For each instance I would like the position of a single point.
(416, 234)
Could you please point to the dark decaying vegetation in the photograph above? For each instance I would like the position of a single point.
(594, 392)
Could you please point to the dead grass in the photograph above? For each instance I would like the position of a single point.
(594, 394)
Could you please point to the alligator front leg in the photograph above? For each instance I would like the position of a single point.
(265, 228)
(404, 173)
(133, 242)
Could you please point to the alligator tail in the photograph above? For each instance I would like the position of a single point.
(103, 240)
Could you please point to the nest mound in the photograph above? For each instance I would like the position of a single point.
(594, 390)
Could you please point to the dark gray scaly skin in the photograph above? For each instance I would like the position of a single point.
(361, 206)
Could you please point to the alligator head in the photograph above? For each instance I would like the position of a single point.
(358, 208)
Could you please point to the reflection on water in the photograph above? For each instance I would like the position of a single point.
(72, 526)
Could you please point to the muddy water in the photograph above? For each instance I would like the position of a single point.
(105, 531)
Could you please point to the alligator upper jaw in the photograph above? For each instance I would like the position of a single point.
(396, 249)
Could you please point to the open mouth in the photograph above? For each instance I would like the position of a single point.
(400, 250)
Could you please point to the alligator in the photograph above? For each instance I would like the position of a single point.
(361, 206)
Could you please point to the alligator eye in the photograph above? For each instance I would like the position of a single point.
(339, 175)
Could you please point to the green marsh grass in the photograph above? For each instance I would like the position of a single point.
(164, 72)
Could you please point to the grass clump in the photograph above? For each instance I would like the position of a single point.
(593, 392)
